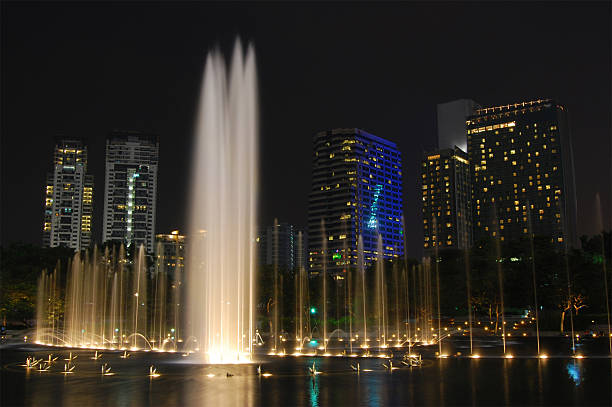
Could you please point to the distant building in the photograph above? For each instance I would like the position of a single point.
(452, 117)
(170, 251)
(68, 198)
(301, 256)
(523, 165)
(130, 191)
(280, 244)
(356, 191)
(446, 199)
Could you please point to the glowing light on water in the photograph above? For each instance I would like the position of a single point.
(221, 253)
(573, 370)
(153, 372)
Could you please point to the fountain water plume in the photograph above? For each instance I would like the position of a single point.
(500, 276)
(325, 256)
(603, 264)
(533, 275)
(362, 278)
(221, 254)
(468, 289)
(381, 295)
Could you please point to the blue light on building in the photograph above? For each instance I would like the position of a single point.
(356, 191)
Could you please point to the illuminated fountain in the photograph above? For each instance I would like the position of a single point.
(222, 218)
(103, 304)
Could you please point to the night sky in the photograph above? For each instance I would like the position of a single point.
(82, 70)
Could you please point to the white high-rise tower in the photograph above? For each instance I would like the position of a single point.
(68, 198)
(130, 190)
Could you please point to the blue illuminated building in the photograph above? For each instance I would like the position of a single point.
(356, 190)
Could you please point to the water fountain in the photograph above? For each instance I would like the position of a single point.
(105, 305)
(500, 276)
(533, 275)
(222, 217)
(603, 267)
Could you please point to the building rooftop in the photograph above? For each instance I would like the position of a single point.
(354, 130)
(513, 106)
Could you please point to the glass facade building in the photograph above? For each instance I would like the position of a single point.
(68, 198)
(522, 170)
(356, 191)
(130, 191)
(446, 195)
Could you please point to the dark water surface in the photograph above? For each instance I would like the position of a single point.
(488, 381)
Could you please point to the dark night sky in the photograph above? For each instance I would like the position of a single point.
(85, 69)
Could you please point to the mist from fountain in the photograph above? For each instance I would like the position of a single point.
(220, 259)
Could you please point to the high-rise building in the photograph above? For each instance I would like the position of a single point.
(68, 197)
(452, 123)
(170, 251)
(280, 248)
(130, 191)
(280, 244)
(446, 194)
(522, 168)
(301, 256)
(356, 191)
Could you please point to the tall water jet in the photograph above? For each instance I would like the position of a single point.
(275, 331)
(381, 297)
(603, 264)
(468, 290)
(397, 310)
(222, 218)
(139, 295)
(324, 282)
(570, 297)
(406, 277)
(533, 275)
(362, 278)
(500, 278)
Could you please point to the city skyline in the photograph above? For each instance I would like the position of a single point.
(394, 106)
(306, 203)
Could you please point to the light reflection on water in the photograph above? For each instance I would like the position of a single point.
(314, 392)
(448, 381)
(574, 370)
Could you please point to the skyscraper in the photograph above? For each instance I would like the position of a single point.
(452, 123)
(68, 197)
(446, 195)
(446, 181)
(523, 168)
(130, 191)
(280, 244)
(356, 191)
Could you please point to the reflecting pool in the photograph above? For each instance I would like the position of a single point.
(286, 381)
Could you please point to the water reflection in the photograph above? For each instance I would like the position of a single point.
(574, 370)
(519, 381)
(314, 392)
